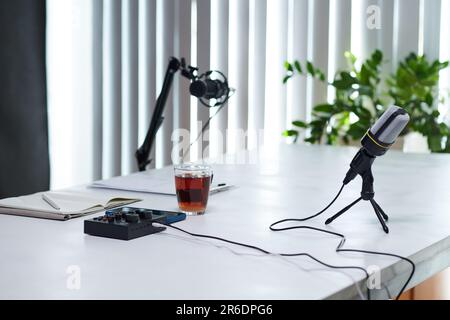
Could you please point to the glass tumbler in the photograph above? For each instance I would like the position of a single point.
(192, 183)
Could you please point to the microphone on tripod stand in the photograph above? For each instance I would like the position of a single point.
(375, 142)
(378, 139)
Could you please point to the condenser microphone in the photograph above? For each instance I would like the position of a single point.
(385, 131)
(377, 140)
(208, 88)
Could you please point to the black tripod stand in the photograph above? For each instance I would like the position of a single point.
(362, 165)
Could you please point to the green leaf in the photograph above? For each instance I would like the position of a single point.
(434, 143)
(324, 108)
(406, 78)
(317, 124)
(311, 140)
(288, 66)
(443, 129)
(299, 124)
(321, 76)
(366, 74)
(377, 56)
(356, 131)
(365, 91)
(347, 76)
(286, 78)
(340, 85)
(363, 114)
(298, 66)
(290, 133)
(429, 99)
(310, 68)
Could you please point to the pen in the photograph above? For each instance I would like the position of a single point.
(52, 203)
(220, 187)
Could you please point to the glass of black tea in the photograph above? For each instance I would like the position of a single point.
(192, 182)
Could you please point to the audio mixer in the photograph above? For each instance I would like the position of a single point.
(129, 223)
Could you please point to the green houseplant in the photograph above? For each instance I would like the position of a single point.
(362, 95)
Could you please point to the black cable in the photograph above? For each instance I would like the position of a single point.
(338, 248)
(314, 215)
(413, 266)
(268, 252)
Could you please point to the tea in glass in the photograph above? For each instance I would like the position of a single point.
(192, 183)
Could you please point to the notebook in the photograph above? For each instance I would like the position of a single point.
(72, 204)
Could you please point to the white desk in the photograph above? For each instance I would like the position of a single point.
(413, 189)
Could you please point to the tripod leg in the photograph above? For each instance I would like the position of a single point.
(330, 220)
(385, 216)
(380, 218)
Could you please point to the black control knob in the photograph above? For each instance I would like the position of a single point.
(126, 211)
(145, 214)
(131, 217)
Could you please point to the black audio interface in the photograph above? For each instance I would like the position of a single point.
(130, 223)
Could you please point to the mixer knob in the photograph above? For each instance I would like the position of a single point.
(131, 217)
(145, 214)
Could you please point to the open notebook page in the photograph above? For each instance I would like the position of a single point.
(71, 203)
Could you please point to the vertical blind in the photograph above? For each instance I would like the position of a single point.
(118, 52)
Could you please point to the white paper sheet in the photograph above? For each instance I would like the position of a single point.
(159, 181)
(154, 181)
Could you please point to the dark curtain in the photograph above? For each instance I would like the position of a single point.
(24, 158)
